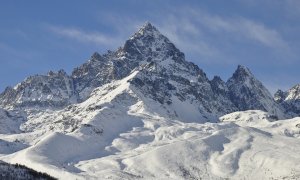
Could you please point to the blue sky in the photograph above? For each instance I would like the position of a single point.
(38, 36)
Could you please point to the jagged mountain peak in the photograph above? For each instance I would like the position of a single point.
(60, 72)
(96, 56)
(280, 95)
(217, 79)
(148, 25)
(145, 46)
(247, 92)
(295, 92)
(243, 75)
(147, 35)
(148, 44)
(243, 68)
(242, 72)
(147, 30)
(291, 94)
(290, 100)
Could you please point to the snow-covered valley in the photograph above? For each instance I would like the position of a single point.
(245, 145)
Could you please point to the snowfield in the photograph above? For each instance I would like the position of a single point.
(244, 145)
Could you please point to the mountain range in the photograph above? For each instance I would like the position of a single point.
(163, 74)
(117, 101)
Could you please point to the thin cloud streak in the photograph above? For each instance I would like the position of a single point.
(242, 27)
(185, 33)
(199, 33)
(194, 31)
(84, 36)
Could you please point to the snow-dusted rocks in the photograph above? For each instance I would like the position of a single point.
(290, 100)
(163, 74)
(52, 90)
(247, 93)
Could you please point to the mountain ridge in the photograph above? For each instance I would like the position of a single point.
(147, 48)
(290, 100)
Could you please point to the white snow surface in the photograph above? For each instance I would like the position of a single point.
(117, 133)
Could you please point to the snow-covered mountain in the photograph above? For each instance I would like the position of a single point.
(127, 114)
(163, 75)
(290, 100)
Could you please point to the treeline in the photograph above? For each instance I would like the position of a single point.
(21, 172)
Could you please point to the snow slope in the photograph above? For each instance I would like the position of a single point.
(118, 133)
(135, 143)
(10, 122)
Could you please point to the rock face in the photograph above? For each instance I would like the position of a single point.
(290, 100)
(144, 46)
(52, 90)
(163, 75)
(247, 93)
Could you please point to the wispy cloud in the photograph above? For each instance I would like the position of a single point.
(211, 37)
(196, 32)
(246, 28)
(286, 8)
(124, 26)
(187, 37)
(85, 36)
(182, 31)
(261, 33)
